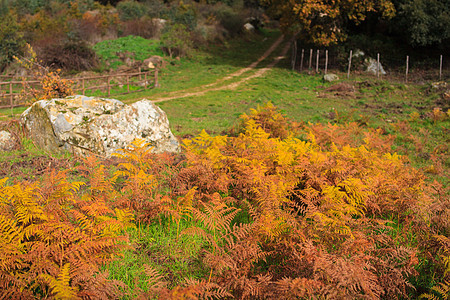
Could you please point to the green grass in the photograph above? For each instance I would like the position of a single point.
(135, 47)
(157, 246)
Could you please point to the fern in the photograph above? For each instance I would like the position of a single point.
(60, 286)
(49, 230)
(442, 290)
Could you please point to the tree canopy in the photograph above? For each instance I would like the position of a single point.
(322, 22)
(422, 22)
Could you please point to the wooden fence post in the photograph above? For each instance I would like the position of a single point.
(156, 78)
(317, 61)
(294, 55)
(378, 65)
(140, 76)
(326, 61)
(407, 68)
(310, 59)
(301, 61)
(11, 99)
(349, 63)
(145, 80)
(440, 69)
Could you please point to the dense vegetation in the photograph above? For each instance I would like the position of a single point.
(63, 33)
(276, 209)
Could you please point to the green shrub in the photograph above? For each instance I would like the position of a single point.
(156, 8)
(131, 10)
(183, 14)
(177, 40)
(11, 39)
(231, 20)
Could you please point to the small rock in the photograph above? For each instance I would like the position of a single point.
(7, 141)
(155, 61)
(330, 77)
(358, 53)
(372, 66)
(160, 23)
(439, 85)
(249, 27)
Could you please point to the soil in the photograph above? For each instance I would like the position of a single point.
(201, 90)
(341, 90)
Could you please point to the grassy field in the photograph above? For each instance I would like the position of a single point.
(416, 116)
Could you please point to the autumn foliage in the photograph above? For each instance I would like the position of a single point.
(285, 212)
(53, 240)
(321, 22)
(50, 84)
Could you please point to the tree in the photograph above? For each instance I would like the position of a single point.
(423, 22)
(177, 40)
(322, 22)
(11, 39)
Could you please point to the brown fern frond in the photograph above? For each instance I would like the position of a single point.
(442, 292)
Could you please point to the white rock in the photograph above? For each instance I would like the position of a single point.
(358, 53)
(7, 141)
(330, 77)
(249, 27)
(372, 66)
(87, 125)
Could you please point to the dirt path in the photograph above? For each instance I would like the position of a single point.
(201, 90)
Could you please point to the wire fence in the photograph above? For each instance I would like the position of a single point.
(355, 63)
(11, 90)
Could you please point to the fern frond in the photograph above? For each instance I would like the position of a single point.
(442, 292)
(60, 286)
(155, 280)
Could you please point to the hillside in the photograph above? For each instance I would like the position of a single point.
(287, 187)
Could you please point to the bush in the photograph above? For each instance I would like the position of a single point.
(183, 14)
(131, 10)
(11, 40)
(156, 8)
(177, 41)
(143, 27)
(50, 85)
(231, 20)
(69, 56)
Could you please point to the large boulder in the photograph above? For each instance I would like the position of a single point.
(86, 125)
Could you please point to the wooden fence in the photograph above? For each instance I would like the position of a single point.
(320, 61)
(105, 85)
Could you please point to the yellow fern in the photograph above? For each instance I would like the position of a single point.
(60, 286)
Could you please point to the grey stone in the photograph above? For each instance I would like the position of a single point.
(330, 77)
(439, 85)
(155, 61)
(371, 64)
(358, 53)
(7, 141)
(85, 125)
(249, 27)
